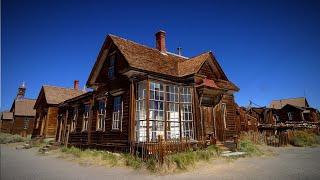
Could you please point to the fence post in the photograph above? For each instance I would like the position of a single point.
(161, 149)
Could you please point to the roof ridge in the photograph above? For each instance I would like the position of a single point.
(67, 88)
(289, 98)
(148, 47)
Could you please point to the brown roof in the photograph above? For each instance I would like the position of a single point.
(151, 59)
(23, 107)
(55, 95)
(299, 102)
(7, 115)
(146, 58)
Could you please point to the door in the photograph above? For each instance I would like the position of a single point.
(219, 122)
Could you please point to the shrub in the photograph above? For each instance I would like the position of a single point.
(132, 161)
(304, 138)
(9, 138)
(249, 147)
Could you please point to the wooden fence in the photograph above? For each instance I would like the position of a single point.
(158, 150)
(280, 139)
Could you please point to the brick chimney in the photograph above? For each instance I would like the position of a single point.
(161, 41)
(76, 85)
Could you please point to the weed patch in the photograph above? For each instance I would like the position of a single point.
(6, 138)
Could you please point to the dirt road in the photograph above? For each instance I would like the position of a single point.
(291, 163)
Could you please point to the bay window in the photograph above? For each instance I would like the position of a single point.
(168, 105)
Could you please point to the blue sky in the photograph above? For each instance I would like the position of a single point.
(270, 49)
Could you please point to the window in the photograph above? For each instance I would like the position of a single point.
(290, 116)
(38, 122)
(74, 119)
(101, 114)
(166, 102)
(26, 123)
(111, 67)
(172, 112)
(277, 118)
(141, 119)
(186, 113)
(85, 117)
(156, 111)
(117, 113)
(223, 112)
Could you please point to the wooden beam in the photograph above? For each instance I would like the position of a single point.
(90, 119)
(132, 111)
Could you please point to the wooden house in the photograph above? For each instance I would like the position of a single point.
(6, 121)
(141, 94)
(294, 110)
(46, 106)
(22, 114)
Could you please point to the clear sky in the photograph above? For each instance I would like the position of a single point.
(270, 49)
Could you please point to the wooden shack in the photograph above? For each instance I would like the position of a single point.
(46, 106)
(6, 121)
(142, 94)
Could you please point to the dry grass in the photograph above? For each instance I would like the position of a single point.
(6, 138)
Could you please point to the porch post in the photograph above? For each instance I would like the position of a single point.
(90, 119)
(132, 111)
(65, 126)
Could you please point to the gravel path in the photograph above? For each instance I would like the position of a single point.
(291, 163)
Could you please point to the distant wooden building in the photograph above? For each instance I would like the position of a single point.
(6, 121)
(22, 114)
(143, 93)
(46, 106)
(294, 110)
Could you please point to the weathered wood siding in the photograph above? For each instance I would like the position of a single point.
(51, 122)
(6, 126)
(18, 125)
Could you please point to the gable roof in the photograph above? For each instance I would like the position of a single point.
(299, 102)
(151, 59)
(6, 115)
(23, 107)
(54, 95)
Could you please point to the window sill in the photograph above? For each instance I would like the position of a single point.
(99, 130)
(115, 130)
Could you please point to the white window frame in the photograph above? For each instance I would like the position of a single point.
(85, 118)
(172, 112)
(101, 116)
(224, 114)
(290, 116)
(187, 123)
(26, 123)
(117, 114)
(74, 120)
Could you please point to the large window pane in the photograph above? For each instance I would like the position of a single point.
(186, 113)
